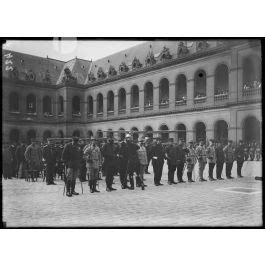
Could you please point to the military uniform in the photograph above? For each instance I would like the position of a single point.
(252, 152)
(246, 153)
(239, 156)
(229, 159)
(181, 158)
(123, 164)
(201, 156)
(258, 153)
(171, 155)
(220, 159)
(211, 160)
(190, 161)
(49, 155)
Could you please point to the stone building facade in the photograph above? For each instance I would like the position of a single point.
(177, 89)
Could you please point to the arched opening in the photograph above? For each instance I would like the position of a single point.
(109, 133)
(135, 134)
(47, 105)
(99, 134)
(164, 135)
(181, 89)
(221, 131)
(135, 97)
(200, 84)
(221, 80)
(76, 108)
(251, 130)
(13, 101)
(164, 92)
(148, 95)
(122, 99)
(90, 105)
(251, 73)
(14, 136)
(60, 134)
(148, 131)
(31, 134)
(181, 132)
(99, 103)
(89, 134)
(47, 134)
(121, 134)
(110, 101)
(200, 131)
(61, 105)
(31, 103)
(76, 133)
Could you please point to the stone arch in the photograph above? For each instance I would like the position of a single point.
(47, 105)
(200, 83)
(148, 94)
(251, 129)
(181, 88)
(31, 102)
(200, 131)
(221, 131)
(181, 132)
(164, 92)
(221, 79)
(164, 135)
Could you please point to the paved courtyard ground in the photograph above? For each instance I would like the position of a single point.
(236, 202)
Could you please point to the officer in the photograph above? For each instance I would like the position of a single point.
(211, 158)
(258, 152)
(220, 158)
(171, 156)
(123, 163)
(110, 156)
(239, 156)
(252, 151)
(133, 162)
(181, 158)
(190, 160)
(229, 158)
(148, 146)
(143, 160)
(83, 169)
(158, 156)
(201, 156)
(59, 162)
(49, 155)
(71, 155)
(246, 152)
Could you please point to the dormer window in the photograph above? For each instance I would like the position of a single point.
(21, 60)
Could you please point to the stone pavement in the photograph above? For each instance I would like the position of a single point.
(27, 204)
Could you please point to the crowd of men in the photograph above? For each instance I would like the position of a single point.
(126, 158)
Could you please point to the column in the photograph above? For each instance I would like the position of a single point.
(190, 93)
(116, 104)
(233, 78)
(94, 108)
(172, 96)
(141, 101)
(104, 107)
(234, 133)
(128, 103)
(210, 90)
(173, 136)
(156, 98)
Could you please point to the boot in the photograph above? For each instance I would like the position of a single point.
(94, 186)
(68, 188)
(138, 181)
(131, 182)
(73, 188)
(91, 186)
(189, 174)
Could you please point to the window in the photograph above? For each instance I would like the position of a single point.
(13, 101)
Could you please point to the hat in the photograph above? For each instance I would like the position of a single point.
(92, 138)
(128, 136)
(142, 139)
(158, 138)
(190, 142)
(75, 138)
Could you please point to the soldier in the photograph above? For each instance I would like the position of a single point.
(21, 159)
(201, 156)
(49, 155)
(181, 158)
(158, 156)
(143, 161)
(220, 158)
(239, 156)
(59, 163)
(71, 156)
(33, 156)
(258, 152)
(148, 146)
(110, 155)
(123, 163)
(133, 162)
(171, 156)
(211, 158)
(93, 161)
(229, 158)
(7, 161)
(83, 168)
(246, 152)
(252, 152)
(190, 160)
(14, 166)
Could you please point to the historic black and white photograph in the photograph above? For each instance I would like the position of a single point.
(132, 133)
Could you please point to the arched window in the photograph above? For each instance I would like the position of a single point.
(221, 131)
(135, 133)
(148, 95)
(200, 131)
(181, 132)
(47, 105)
(99, 103)
(109, 133)
(251, 73)
(31, 134)
(200, 85)
(251, 130)
(89, 134)
(181, 89)
(135, 97)
(61, 105)
(76, 133)
(31, 103)
(148, 131)
(90, 105)
(121, 134)
(122, 100)
(99, 134)
(14, 136)
(164, 93)
(221, 80)
(47, 134)
(110, 101)
(13, 101)
(76, 108)
(164, 135)
(60, 134)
